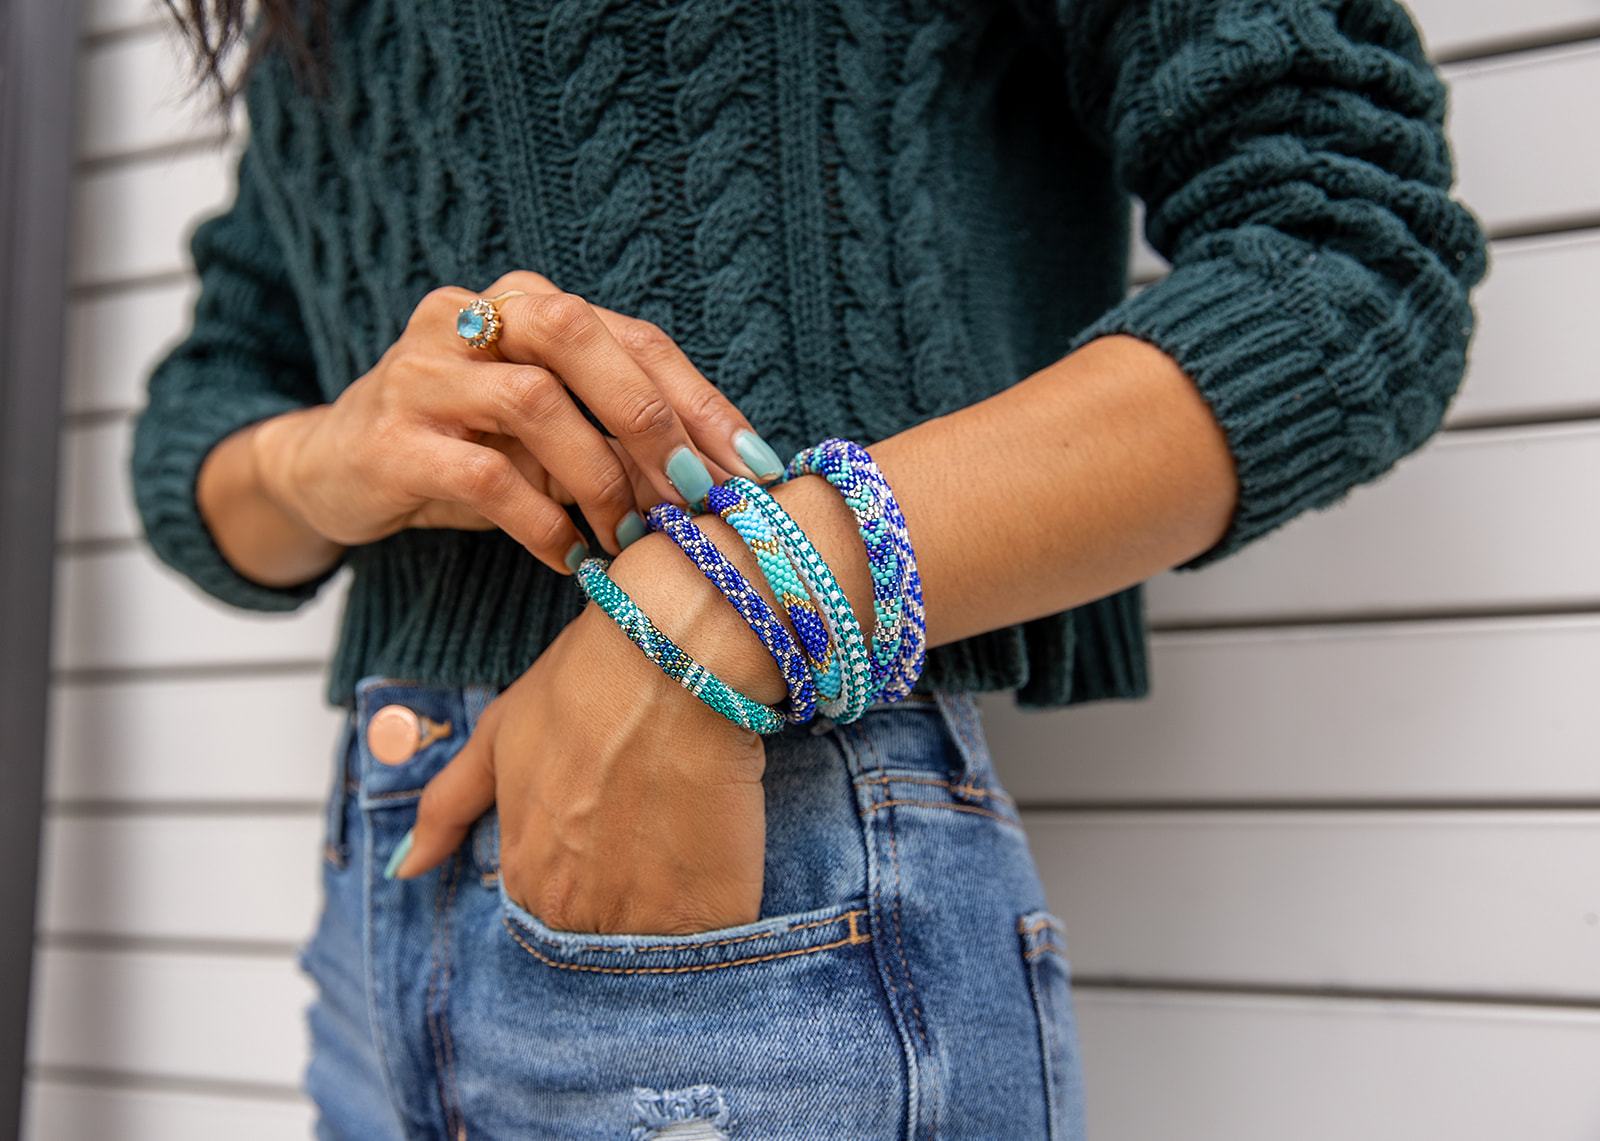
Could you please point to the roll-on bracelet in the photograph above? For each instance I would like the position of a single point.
(672, 660)
(675, 523)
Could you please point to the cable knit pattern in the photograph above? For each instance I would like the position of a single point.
(852, 216)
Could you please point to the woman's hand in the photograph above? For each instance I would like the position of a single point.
(440, 434)
(626, 805)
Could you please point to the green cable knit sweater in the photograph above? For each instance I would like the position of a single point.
(853, 216)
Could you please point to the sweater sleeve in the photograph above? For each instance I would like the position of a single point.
(246, 358)
(1294, 168)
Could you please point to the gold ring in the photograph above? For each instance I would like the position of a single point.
(478, 323)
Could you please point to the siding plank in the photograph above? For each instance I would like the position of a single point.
(1162, 1065)
(1452, 902)
(230, 1018)
(115, 339)
(132, 93)
(1485, 519)
(134, 221)
(96, 498)
(232, 877)
(1461, 27)
(122, 610)
(1480, 709)
(1516, 120)
(102, 16)
(67, 1111)
(1536, 305)
(217, 739)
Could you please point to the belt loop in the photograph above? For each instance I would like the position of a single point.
(960, 712)
(344, 777)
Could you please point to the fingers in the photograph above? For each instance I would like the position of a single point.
(720, 430)
(531, 405)
(562, 333)
(488, 481)
(451, 803)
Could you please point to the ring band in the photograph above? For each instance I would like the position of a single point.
(478, 322)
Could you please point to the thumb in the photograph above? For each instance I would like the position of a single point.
(451, 803)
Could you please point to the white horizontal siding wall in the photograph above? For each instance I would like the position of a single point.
(1333, 879)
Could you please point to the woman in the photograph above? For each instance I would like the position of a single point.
(498, 269)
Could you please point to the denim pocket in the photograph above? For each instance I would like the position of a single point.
(1044, 955)
(750, 944)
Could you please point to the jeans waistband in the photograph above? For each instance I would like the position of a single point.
(446, 715)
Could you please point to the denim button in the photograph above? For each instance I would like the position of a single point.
(393, 734)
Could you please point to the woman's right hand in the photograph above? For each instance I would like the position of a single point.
(440, 434)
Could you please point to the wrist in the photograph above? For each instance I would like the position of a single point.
(277, 453)
(695, 615)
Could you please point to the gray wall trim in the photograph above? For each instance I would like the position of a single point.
(38, 56)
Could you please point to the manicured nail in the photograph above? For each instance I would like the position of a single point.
(630, 530)
(401, 851)
(575, 555)
(757, 454)
(689, 475)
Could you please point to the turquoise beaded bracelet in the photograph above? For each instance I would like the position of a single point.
(850, 644)
(665, 653)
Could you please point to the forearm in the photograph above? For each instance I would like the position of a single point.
(259, 536)
(1093, 474)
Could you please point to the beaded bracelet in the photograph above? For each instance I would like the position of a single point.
(900, 639)
(674, 662)
(850, 644)
(752, 607)
(761, 537)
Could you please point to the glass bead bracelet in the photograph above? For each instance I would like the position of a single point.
(672, 660)
(675, 523)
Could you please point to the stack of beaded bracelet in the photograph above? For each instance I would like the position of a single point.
(740, 501)
(676, 524)
(900, 639)
(826, 664)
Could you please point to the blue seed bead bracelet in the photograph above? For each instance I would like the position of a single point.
(850, 645)
(758, 533)
(675, 523)
(666, 654)
(900, 640)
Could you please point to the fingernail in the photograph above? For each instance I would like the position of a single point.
(401, 851)
(689, 475)
(630, 530)
(575, 555)
(757, 454)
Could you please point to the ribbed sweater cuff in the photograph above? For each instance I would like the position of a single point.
(1261, 362)
(168, 470)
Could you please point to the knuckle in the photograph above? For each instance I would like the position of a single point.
(705, 404)
(436, 301)
(550, 531)
(644, 413)
(612, 488)
(486, 477)
(560, 317)
(645, 338)
(528, 394)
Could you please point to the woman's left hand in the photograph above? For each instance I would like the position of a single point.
(626, 805)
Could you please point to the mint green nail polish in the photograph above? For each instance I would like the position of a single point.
(630, 530)
(689, 475)
(757, 454)
(401, 851)
(575, 555)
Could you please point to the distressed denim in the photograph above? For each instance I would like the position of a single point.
(905, 979)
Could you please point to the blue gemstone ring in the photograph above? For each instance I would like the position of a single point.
(478, 323)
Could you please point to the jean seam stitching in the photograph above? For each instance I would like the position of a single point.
(843, 917)
(855, 938)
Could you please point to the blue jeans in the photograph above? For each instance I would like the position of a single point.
(904, 980)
